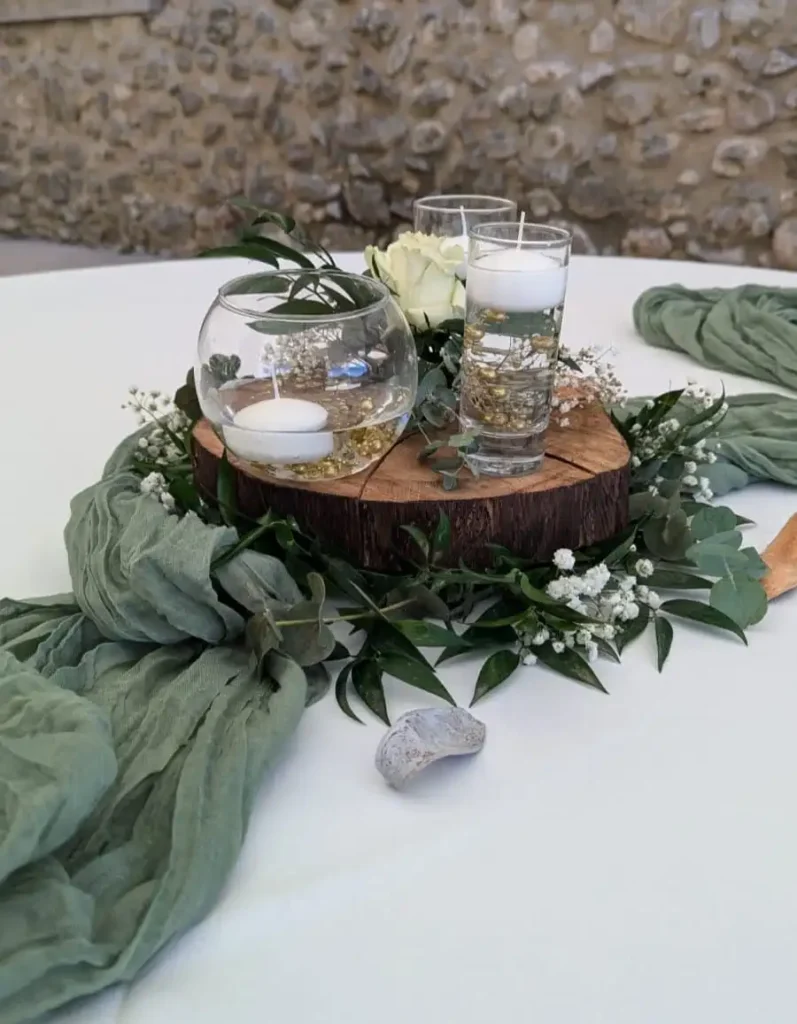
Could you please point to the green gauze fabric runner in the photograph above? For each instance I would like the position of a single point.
(134, 732)
(749, 330)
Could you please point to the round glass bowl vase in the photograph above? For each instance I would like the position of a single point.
(306, 374)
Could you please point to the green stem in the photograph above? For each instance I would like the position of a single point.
(354, 617)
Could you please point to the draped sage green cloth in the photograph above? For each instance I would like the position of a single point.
(134, 733)
(750, 330)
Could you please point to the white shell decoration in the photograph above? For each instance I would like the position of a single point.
(418, 738)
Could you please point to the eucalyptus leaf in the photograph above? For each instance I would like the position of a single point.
(740, 598)
(305, 637)
(714, 559)
(664, 634)
(255, 580)
(367, 681)
(428, 384)
(318, 682)
(498, 668)
(704, 614)
(756, 566)
(643, 504)
(424, 603)
(711, 520)
(430, 449)
(287, 674)
(667, 537)
(262, 635)
(416, 674)
(446, 463)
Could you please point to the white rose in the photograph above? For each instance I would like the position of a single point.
(420, 270)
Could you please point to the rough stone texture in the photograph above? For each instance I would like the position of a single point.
(651, 127)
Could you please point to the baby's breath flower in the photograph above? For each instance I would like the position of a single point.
(690, 467)
(690, 481)
(654, 601)
(529, 658)
(629, 611)
(563, 559)
(558, 646)
(153, 483)
(644, 567)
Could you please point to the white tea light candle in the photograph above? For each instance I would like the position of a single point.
(516, 281)
(280, 431)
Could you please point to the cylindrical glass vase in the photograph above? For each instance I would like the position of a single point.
(307, 374)
(517, 277)
(453, 216)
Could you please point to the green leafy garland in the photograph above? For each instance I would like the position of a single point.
(589, 604)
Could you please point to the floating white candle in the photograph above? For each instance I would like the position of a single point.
(280, 431)
(516, 281)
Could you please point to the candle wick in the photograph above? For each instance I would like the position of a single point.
(520, 229)
(464, 222)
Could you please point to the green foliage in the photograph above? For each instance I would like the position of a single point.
(496, 616)
(664, 635)
(496, 670)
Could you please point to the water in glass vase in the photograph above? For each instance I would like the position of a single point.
(311, 432)
(508, 370)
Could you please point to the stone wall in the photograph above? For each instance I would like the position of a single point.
(654, 127)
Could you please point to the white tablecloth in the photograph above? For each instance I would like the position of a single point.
(627, 859)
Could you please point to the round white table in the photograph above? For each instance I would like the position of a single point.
(627, 859)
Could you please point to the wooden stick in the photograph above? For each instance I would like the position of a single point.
(781, 557)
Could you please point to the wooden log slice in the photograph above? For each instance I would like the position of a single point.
(578, 497)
